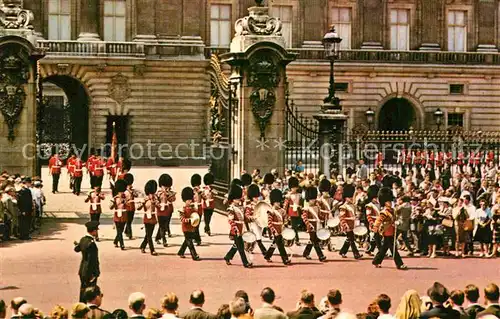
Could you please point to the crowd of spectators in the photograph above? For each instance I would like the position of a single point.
(437, 303)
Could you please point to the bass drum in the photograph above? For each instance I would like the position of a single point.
(260, 213)
(333, 225)
(360, 233)
(288, 237)
(249, 239)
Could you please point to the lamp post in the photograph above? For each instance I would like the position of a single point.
(331, 42)
(370, 117)
(438, 117)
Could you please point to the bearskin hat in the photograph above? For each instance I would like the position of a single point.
(268, 179)
(276, 196)
(293, 182)
(253, 191)
(165, 180)
(235, 192)
(385, 195)
(208, 179)
(127, 164)
(348, 191)
(236, 182)
(195, 180)
(187, 194)
(151, 187)
(372, 192)
(324, 185)
(129, 179)
(246, 179)
(311, 193)
(120, 186)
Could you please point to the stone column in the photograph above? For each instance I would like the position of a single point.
(89, 20)
(486, 17)
(168, 19)
(314, 23)
(430, 27)
(193, 20)
(373, 23)
(145, 21)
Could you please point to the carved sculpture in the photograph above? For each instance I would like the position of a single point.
(12, 16)
(119, 90)
(258, 23)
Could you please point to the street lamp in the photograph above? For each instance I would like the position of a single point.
(370, 117)
(331, 42)
(438, 117)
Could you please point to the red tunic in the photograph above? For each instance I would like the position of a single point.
(165, 206)
(440, 159)
(275, 221)
(55, 165)
(460, 159)
(409, 157)
(112, 167)
(99, 167)
(120, 215)
(477, 158)
(185, 216)
(70, 165)
(95, 202)
(311, 219)
(208, 197)
(130, 203)
(90, 164)
(149, 207)
(293, 205)
(78, 168)
(490, 157)
(236, 218)
(198, 200)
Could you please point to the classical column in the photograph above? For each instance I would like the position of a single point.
(373, 23)
(486, 15)
(145, 21)
(430, 27)
(314, 22)
(89, 20)
(193, 20)
(168, 19)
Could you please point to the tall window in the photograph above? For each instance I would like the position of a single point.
(59, 20)
(114, 20)
(457, 31)
(220, 25)
(342, 19)
(400, 29)
(456, 119)
(285, 14)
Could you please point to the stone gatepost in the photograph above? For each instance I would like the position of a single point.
(258, 59)
(18, 89)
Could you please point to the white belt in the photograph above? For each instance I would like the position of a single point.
(78, 169)
(56, 166)
(295, 207)
(312, 220)
(238, 222)
(94, 205)
(119, 213)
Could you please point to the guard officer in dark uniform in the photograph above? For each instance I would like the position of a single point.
(89, 267)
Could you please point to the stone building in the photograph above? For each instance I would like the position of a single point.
(142, 64)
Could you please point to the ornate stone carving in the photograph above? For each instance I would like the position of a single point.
(258, 23)
(262, 101)
(119, 90)
(13, 75)
(12, 16)
(139, 69)
(263, 72)
(63, 68)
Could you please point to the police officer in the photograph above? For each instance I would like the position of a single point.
(89, 266)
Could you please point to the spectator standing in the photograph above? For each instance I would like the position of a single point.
(362, 172)
(170, 305)
(25, 204)
(39, 199)
(491, 296)
(334, 300)
(457, 298)
(439, 295)
(268, 310)
(299, 167)
(136, 303)
(93, 297)
(197, 299)
(307, 309)
(410, 306)
(384, 305)
(472, 296)
(9, 202)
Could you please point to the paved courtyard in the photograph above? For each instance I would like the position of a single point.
(45, 269)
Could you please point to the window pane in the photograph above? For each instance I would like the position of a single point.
(119, 29)
(225, 12)
(403, 38)
(65, 27)
(460, 17)
(120, 8)
(108, 8)
(225, 33)
(394, 16)
(403, 16)
(394, 38)
(214, 11)
(108, 28)
(344, 31)
(451, 17)
(287, 33)
(335, 14)
(460, 39)
(451, 39)
(286, 14)
(53, 6)
(345, 15)
(65, 6)
(214, 33)
(53, 27)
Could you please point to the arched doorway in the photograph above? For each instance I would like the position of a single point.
(65, 116)
(397, 114)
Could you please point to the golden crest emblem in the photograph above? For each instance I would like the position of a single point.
(119, 89)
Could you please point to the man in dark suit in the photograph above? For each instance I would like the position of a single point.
(197, 299)
(26, 206)
(93, 298)
(307, 309)
(137, 303)
(491, 295)
(472, 296)
(439, 295)
(89, 267)
(457, 298)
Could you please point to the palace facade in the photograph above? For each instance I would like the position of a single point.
(142, 64)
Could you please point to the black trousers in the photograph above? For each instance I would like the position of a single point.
(71, 182)
(55, 182)
(119, 234)
(388, 244)
(350, 241)
(469, 244)
(24, 225)
(148, 239)
(262, 248)
(84, 284)
(95, 217)
(197, 237)
(296, 222)
(163, 228)
(130, 220)
(98, 181)
(406, 240)
(207, 217)
(238, 246)
(6, 230)
(278, 242)
(92, 181)
(77, 185)
(375, 242)
(313, 243)
(188, 243)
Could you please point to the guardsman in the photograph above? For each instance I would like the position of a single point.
(409, 159)
(490, 157)
(253, 194)
(149, 205)
(461, 161)
(196, 185)
(440, 160)
(347, 220)
(372, 209)
(236, 218)
(293, 206)
(90, 167)
(424, 158)
(275, 221)
(417, 160)
(99, 166)
(325, 202)
(208, 203)
(112, 169)
(119, 217)
(386, 227)
(55, 165)
(246, 181)
(267, 186)
(89, 267)
(310, 216)
(70, 166)
(477, 161)
(95, 198)
(166, 199)
(379, 160)
(126, 165)
(77, 175)
(130, 196)
(187, 219)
